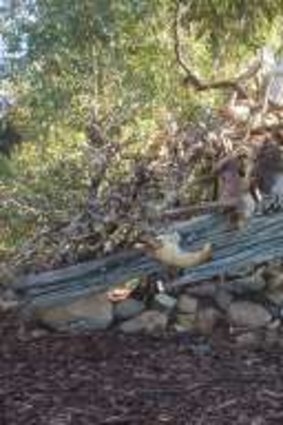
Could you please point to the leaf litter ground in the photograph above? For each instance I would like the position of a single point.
(114, 379)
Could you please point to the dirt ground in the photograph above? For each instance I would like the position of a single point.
(112, 379)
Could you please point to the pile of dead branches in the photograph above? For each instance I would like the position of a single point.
(185, 172)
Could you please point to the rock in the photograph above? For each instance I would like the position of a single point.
(274, 325)
(128, 308)
(150, 321)
(8, 300)
(205, 289)
(274, 310)
(207, 318)
(187, 307)
(7, 277)
(164, 302)
(185, 322)
(274, 268)
(275, 282)
(271, 338)
(93, 311)
(242, 272)
(248, 314)
(201, 349)
(179, 328)
(275, 297)
(7, 305)
(223, 299)
(247, 340)
(251, 284)
(39, 333)
(187, 304)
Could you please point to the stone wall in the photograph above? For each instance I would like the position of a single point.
(240, 288)
(247, 306)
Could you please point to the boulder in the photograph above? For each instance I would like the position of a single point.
(275, 282)
(6, 276)
(248, 314)
(187, 304)
(164, 302)
(128, 308)
(275, 296)
(203, 290)
(150, 322)
(8, 299)
(248, 339)
(8, 305)
(223, 298)
(207, 318)
(185, 322)
(272, 337)
(92, 311)
(250, 284)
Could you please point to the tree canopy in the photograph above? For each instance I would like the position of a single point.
(138, 69)
(108, 56)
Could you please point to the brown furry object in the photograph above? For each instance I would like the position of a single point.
(228, 171)
(264, 164)
(234, 190)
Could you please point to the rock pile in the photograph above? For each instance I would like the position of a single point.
(250, 307)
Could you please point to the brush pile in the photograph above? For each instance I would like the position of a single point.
(230, 158)
(228, 171)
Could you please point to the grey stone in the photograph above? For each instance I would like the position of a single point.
(271, 337)
(223, 299)
(275, 297)
(205, 289)
(150, 321)
(275, 282)
(92, 311)
(187, 304)
(39, 333)
(248, 314)
(241, 272)
(179, 328)
(274, 325)
(128, 308)
(247, 340)
(185, 322)
(7, 305)
(8, 299)
(250, 284)
(201, 349)
(207, 318)
(6, 276)
(164, 302)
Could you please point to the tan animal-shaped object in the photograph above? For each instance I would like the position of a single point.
(166, 249)
(235, 190)
(237, 199)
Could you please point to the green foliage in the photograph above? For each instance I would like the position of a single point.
(109, 56)
(245, 22)
(116, 60)
(41, 184)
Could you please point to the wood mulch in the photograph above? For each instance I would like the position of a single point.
(113, 379)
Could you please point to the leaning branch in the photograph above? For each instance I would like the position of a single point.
(199, 84)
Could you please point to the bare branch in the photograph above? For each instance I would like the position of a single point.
(190, 76)
(198, 83)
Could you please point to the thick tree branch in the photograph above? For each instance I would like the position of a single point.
(199, 84)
